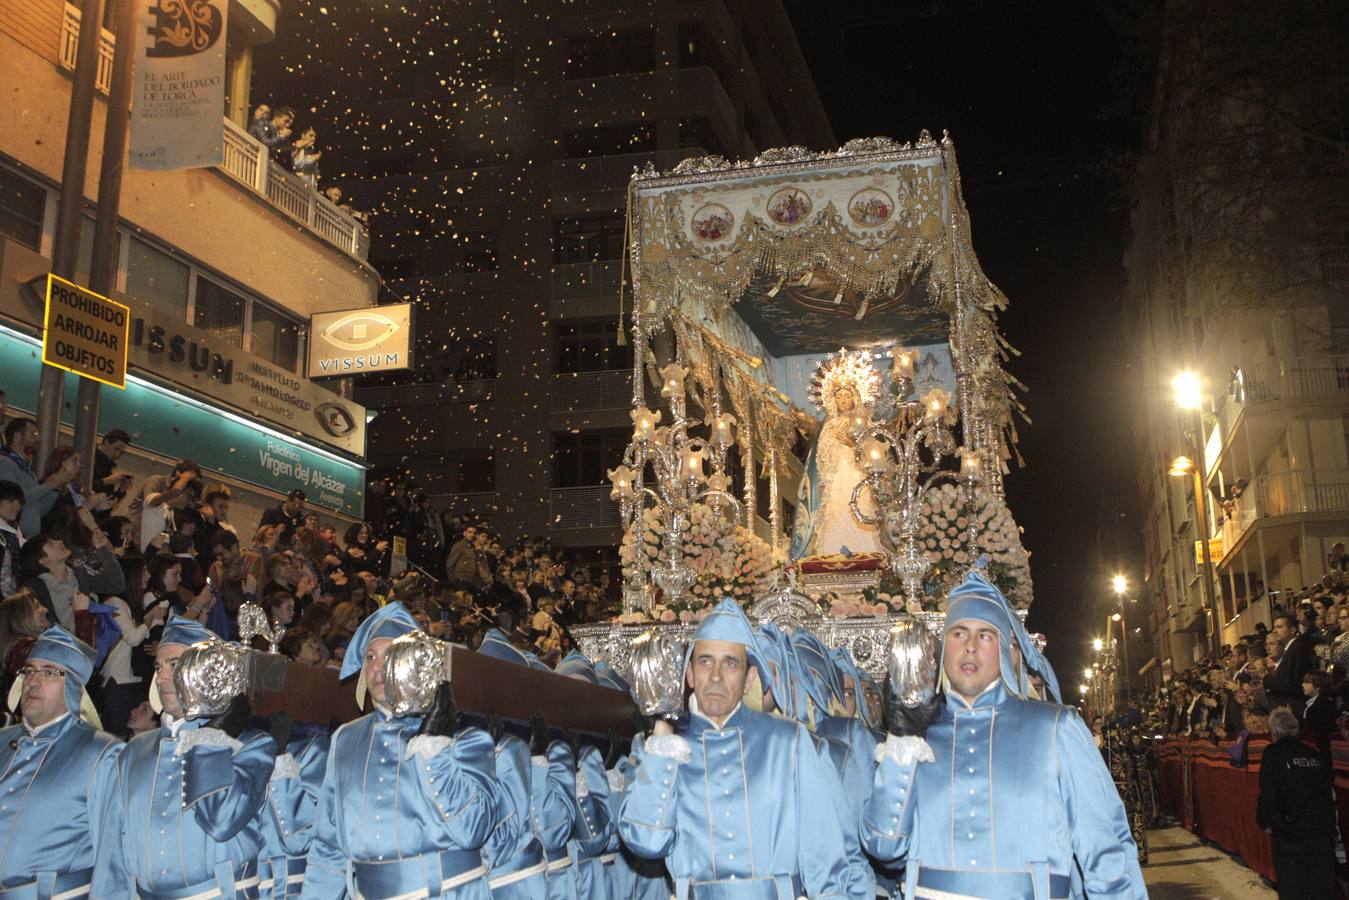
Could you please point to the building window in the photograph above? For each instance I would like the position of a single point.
(219, 311)
(157, 279)
(472, 470)
(610, 140)
(274, 338)
(598, 55)
(462, 360)
(697, 47)
(21, 208)
(581, 459)
(585, 239)
(699, 134)
(591, 347)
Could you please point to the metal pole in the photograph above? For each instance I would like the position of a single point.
(65, 247)
(1201, 507)
(104, 266)
(1128, 673)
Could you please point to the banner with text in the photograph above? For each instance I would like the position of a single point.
(178, 104)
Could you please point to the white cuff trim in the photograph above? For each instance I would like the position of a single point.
(427, 745)
(286, 767)
(670, 746)
(539, 759)
(204, 737)
(904, 750)
(617, 780)
(582, 786)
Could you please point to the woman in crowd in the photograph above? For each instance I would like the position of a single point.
(363, 553)
(22, 619)
(123, 686)
(346, 619)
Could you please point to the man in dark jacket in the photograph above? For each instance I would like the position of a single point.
(289, 516)
(1297, 808)
(1284, 683)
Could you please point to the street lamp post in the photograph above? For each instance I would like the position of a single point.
(1189, 396)
(1121, 585)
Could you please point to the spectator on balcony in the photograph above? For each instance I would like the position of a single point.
(304, 157)
(260, 126)
(276, 135)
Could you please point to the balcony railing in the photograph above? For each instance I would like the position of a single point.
(1302, 377)
(582, 507)
(600, 172)
(479, 503)
(1286, 494)
(70, 37)
(589, 391)
(245, 160)
(587, 281)
(392, 396)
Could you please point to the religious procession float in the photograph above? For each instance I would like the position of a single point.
(821, 418)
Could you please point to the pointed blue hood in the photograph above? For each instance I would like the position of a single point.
(61, 648)
(389, 621)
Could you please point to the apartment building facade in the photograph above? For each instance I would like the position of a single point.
(221, 267)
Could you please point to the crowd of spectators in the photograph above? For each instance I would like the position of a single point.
(1298, 661)
(112, 564)
(274, 128)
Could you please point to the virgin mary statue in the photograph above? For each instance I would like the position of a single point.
(843, 387)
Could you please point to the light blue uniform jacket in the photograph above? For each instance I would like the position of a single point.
(593, 829)
(188, 810)
(1018, 791)
(739, 813)
(630, 876)
(512, 852)
(288, 815)
(55, 791)
(399, 814)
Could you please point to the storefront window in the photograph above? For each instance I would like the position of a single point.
(219, 311)
(274, 337)
(157, 279)
(21, 207)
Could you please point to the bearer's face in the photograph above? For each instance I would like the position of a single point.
(717, 674)
(374, 667)
(166, 663)
(850, 695)
(970, 657)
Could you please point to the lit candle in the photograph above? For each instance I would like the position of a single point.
(621, 478)
(969, 463)
(722, 428)
(718, 481)
(875, 455)
(691, 463)
(902, 370)
(672, 381)
(935, 401)
(643, 422)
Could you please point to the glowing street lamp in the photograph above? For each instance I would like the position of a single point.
(1188, 390)
(1120, 584)
(1097, 644)
(1181, 467)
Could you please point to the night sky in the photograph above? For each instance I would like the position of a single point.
(1031, 93)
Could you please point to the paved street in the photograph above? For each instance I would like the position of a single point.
(1181, 867)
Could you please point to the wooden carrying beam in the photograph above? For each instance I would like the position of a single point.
(482, 684)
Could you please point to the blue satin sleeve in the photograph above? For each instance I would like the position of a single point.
(293, 800)
(463, 779)
(822, 845)
(648, 823)
(552, 805)
(111, 878)
(888, 815)
(593, 827)
(512, 831)
(225, 787)
(1102, 843)
(847, 798)
(325, 874)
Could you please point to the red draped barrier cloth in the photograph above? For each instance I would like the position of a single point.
(1210, 797)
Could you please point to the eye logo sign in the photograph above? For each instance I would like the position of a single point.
(334, 419)
(354, 341)
(360, 330)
